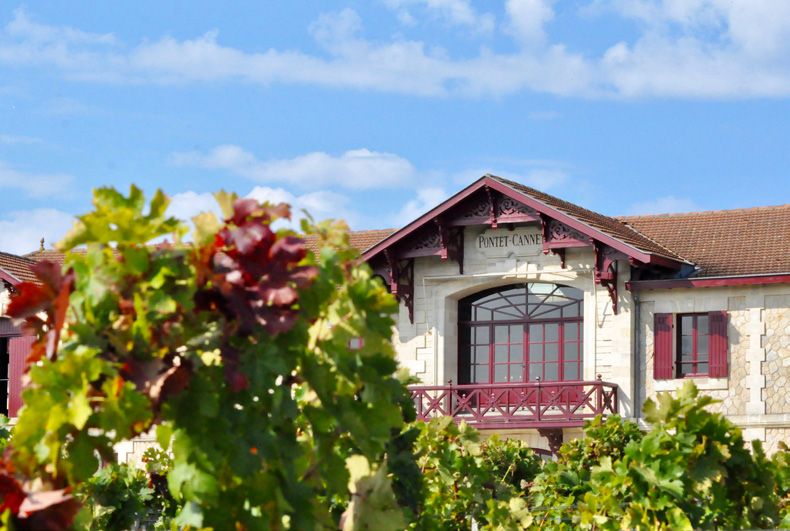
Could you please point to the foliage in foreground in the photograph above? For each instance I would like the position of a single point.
(233, 348)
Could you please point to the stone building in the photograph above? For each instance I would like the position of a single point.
(526, 315)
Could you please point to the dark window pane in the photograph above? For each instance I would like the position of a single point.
(480, 374)
(483, 315)
(702, 347)
(571, 351)
(571, 371)
(517, 373)
(571, 311)
(571, 331)
(500, 334)
(552, 351)
(535, 333)
(547, 312)
(686, 344)
(517, 334)
(501, 354)
(536, 352)
(500, 373)
(552, 331)
(516, 353)
(535, 371)
(686, 324)
(702, 324)
(552, 372)
(481, 354)
(702, 368)
(481, 335)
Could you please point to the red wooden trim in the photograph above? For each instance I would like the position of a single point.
(582, 227)
(425, 218)
(8, 277)
(663, 351)
(517, 405)
(572, 222)
(640, 285)
(717, 344)
(18, 351)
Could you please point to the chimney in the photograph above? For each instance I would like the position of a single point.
(42, 245)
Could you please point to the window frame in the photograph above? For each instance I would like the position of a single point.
(467, 360)
(678, 344)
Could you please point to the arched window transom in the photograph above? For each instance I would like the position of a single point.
(521, 332)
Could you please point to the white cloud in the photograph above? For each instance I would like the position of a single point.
(354, 169)
(527, 18)
(35, 184)
(21, 231)
(686, 49)
(186, 205)
(427, 198)
(454, 12)
(16, 139)
(320, 205)
(663, 205)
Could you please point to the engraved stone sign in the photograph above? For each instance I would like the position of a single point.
(503, 242)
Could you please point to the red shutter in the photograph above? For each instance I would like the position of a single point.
(717, 344)
(663, 351)
(18, 351)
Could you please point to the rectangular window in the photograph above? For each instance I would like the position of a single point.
(692, 345)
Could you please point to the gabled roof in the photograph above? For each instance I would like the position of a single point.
(750, 241)
(605, 224)
(16, 268)
(359, 239)
(602, 228)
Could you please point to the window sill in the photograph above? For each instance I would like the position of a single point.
(703, 384)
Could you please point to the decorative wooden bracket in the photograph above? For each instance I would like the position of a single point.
(492, 200)
(452, 243)
(544, 230)
(402, 280)
(554, 435)
(605, 273)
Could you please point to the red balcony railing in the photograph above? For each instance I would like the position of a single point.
(517, 405)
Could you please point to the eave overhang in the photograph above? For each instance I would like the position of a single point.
(439, 232)
(8, 277)
(708, 282)
(486, 181)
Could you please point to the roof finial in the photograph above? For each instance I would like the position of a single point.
(42, 244)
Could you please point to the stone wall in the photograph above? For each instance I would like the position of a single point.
(776, 342)
(428, 347)
(754, 394)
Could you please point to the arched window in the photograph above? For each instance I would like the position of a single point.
(520, 332)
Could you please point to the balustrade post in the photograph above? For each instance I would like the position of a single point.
(537, 402)
(450, 398)
(599, 395)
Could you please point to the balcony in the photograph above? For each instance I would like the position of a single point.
(540, 405)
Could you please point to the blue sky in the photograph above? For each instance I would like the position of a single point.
(375, 111)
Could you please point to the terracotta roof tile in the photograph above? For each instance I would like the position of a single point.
(18, 266)
(360, 239)
(749, 241)
(610, 226)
